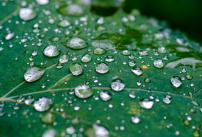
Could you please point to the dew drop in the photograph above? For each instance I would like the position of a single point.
(158, 63)
(138, 71)
(64, 23)
(29, 100)
(96, 131)
(176, 81)
(83, 91)
(51, 51)
(76, 43)
(109, 59)
(48, 118)
(27, 14)
(105, 95)
(135, 119)
(126, 52)
(9, 35)
(99, 51)
(42, 2)
(117, 85)
(64, 58)
(146, 103)
(102, 68)
(70, 130)
(42, 104)
(76, 69)
(33, 74)
(132, 63)
(72, 9)
(86, 58)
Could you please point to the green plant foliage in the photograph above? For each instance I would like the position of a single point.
(151, 75)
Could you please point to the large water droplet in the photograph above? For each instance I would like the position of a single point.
(76, 69)
(33, 74)
(135, 119)
(83, 91)
(48, 118)
(102, 68)
(138, 71)
(146, 103)
(105, 95)
(117, 85)
(27, 14)
(176, 81)
(42, 104)
(72, 9)
(96, 131)
(86, 58)
(51, 51)
(76, 43)
(158, 63)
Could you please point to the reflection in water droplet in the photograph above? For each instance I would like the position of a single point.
(72, 9)
(33, 74)
(99, 51)
(117, 85)
(135, 119)
(138, 71)
(42, 104)
(102, 68)
(76, 43)
(109, 59)
(48, 118)
(146, 103)
(176, 81)
(105, 95)
(76, 69)
(27, 14)
(96, 131)
(51, 51)
(86, 58)
(83, 91)
(158, 63)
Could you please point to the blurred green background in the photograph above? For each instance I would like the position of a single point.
(185, 15)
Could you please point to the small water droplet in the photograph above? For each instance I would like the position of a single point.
(117, 85)
(33, 74)
(135, 119)
(146, 103)
(51, 51)
(27, 14)
(126, 52)
(29, 100)
(42, 2)
(158, 63)
(83, 91)
(132, 63)
(76, 69)
(102, 68)
(96, 131)
(176, 81)
(70, 130)
(48, 118)
(64, 58)
(99, 51)
(86, 58)
(105, 95)
(138, 71)
(76, 43)
(42, 104)
(109, 59)
(9, 35)
(64, 23)
(72, 9)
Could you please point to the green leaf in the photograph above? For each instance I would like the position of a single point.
(141, 79)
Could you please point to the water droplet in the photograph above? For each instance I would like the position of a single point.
(146, 103)
(102, 68)
(59, 66)
(176, 81)
(132, 63)
(72, 9)
(109, 59)
(167, 100)
(135, 119)
(186, 122)
(126, 52)
(50, 133)
(138, 71)
(42, 2)
(76, 69)
(76, 43)
(158, 63)
(9, 35)
(27, 14)
(70, 130)
(189, 77)
(162, 50)
(99, 51)
(54, 39)
(143, 53)
(33, 74)
(51, 51)
(64, 58)
(196, 133)
(86, 58)
(117, 85)
(29, 100)
(48, 118)
(105, 95)
(83, 91)
(96, 131)
(42, 104)
(132, 94)
(195, 103)
(147, 80)
(64, 23)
